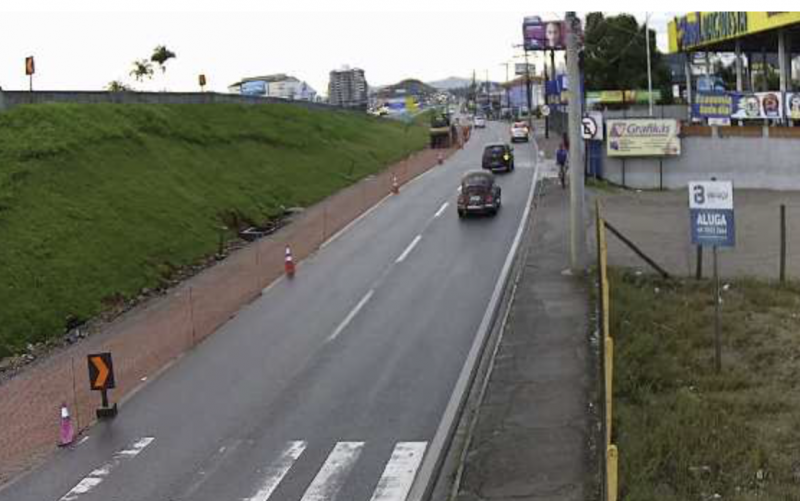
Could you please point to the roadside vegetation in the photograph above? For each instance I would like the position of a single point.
(685, 432)
(98, 202)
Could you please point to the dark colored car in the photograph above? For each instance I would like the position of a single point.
(498, 156)
(479, 194)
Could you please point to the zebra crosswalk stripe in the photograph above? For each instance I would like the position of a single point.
(278, 470)
(333, 473)
(400, 472)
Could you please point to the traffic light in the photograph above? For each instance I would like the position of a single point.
(29, 67)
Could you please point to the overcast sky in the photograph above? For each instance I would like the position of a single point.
(86, 48)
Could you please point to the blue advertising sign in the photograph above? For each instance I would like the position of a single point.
(711, 213)
(713, 105)
(256, 88)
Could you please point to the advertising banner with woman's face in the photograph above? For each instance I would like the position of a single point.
(544, 35)
(793, 105)
(757, 105)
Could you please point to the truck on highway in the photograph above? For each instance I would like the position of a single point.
(440, 131)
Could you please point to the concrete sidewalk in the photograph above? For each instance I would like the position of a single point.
(534, 427)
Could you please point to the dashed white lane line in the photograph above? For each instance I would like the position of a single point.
(441, 209)
(350, 316)
(333, 473)
(408, 250)
(400, 471)
(278, 470)
(96, 477)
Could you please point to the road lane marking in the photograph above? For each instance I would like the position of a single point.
(350, 316)
(333, 473)
(400, 471)
(441, 439)
(408, 250)
(96, 477)
(278, 470)
(441, 209)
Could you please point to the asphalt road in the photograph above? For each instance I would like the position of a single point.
(328, 387)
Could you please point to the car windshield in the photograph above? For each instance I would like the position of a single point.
(495, 150)
(477, 180)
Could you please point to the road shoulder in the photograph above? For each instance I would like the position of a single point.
(532, 437)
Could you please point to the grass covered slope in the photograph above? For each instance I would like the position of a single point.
(98, 201)
(685, 432)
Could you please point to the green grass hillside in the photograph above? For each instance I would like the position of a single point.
(96, 201)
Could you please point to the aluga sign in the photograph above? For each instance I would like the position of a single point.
(711, 213)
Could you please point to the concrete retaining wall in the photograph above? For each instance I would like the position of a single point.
(10, 99)
(750, 162)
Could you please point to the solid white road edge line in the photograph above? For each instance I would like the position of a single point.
(440, 440)
(96, 476)
(441, 209)
(408, 250)
(350, 316)
(278, 470)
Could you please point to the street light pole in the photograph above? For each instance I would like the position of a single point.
(508, 96)
(649, 71)
(576, 174)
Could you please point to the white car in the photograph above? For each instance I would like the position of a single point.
(479, 122)
(519, 132)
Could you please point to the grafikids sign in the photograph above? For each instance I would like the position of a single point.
(641, 137)
(711, 213)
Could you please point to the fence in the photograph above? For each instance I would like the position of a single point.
(609, 454)
(145, 340)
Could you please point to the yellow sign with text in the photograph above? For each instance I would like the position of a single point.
(697, 30)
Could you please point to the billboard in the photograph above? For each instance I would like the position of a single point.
(701, 29)
(757, 105)
(620, 96)
(544, 35)
(793, 105)
(718, 105)
(524, 69)
(642, 137)
(257, 88)
(712, 105)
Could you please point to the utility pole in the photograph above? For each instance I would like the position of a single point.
(649, 72)
(508, 96)
(528, 92)
(577, 232)
(546, 80)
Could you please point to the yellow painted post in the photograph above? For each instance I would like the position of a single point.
(604, 278)
(612, 465)
(609, 380)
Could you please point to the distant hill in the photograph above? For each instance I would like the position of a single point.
(451, 83)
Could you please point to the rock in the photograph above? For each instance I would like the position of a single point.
(6, 364)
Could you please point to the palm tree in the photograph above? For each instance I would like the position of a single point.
(142, 69)
(117, 86)
(161, 55)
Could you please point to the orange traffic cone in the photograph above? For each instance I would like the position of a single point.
(289, 263)
(67, 433)
(395, 186)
